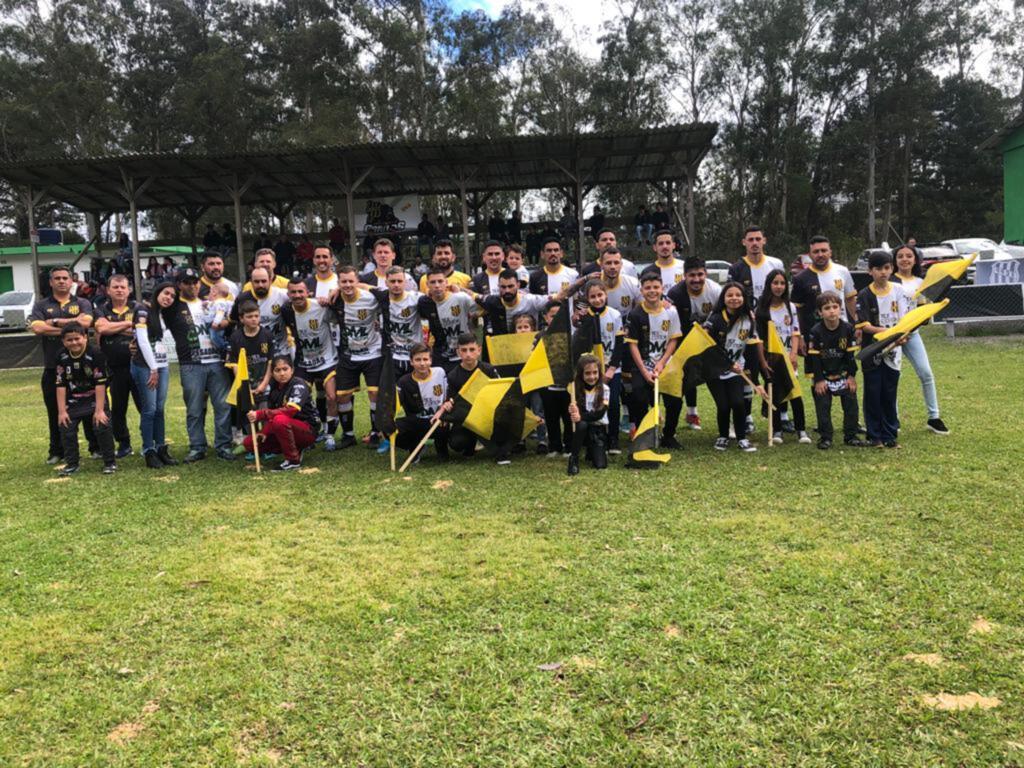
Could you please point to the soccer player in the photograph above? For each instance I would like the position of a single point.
(506, 303)
(485, 281)
(448, 315)
(831, 345)
(201, 370)
(606, 239)
(910, 274)
(323, 282)
(623, 290)
(670, 268)
(652, 335)
(733, 328)
(553, 277)
(115, 328)
(443, 258)
(150, 374)
(402, 326)
(81, 383)
(421, 393)
(383, 258)
(265, 259)
(823, 276)
(316, 355)
(258, 345)
(359, 357)
(261, 291)
(290, 420)
(694, 300)
(212, 266)
(879, 306)
(752, 269)
(48, 317)
(774, 306)
(613, 334)
(589, 415)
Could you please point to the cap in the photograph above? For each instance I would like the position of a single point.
(187, 275)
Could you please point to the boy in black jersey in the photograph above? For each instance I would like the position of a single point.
(461, 439)
(830, 348)
(82, 395)
(258, 344)
(422, 393)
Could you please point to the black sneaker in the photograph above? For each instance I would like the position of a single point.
(164, 454)
(891, 444)
(670, 443)
(109, 469)
(193, 456)
(54, 459)
(96, 455)
(67, 470)
(938, 426)
(788, 426)
(824, 444)
(153, 460)
(347, 441)
(123, 452)
(856, 442)
(287, 466)
(225, 455)
(746, 446)
(542, 449)
(722, 444)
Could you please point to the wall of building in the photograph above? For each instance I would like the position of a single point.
(1013, 186)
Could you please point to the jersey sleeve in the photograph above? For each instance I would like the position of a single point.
(38, 314)
(849, 289)
(674, 328)
(298, 395)
(84, 307)
(862, 307)
(632, 328)
(61, 373)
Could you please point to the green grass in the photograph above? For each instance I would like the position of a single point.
(725, 610)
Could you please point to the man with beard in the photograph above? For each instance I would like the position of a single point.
(443, 258)
(270, 299)
(212, 265)
(486, 280)
(449, 314)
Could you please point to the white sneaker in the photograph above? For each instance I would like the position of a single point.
(746, 446)
(329, 443)
(777, 439)
(554, 455)
(804, 438)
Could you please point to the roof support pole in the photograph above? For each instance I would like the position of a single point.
(579, 225)
(467, 262)
(348, 188)
(239, 245)
(131, 194)
(691, 213)
(31, 201)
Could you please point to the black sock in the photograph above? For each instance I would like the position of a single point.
(347, 422)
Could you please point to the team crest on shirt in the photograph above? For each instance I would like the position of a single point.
(406, 311)
(314, 324)
(88, 372)
(626, 302)
(456, 311)
(743, 334)
(838, 283)
(665, 325)
(264, 348)
(894, 308)
(788, 320)
(705, 308)
(73, 309)
(610, 327)
(843, 344)
(437, 390)
(362, 314)
(275, 309)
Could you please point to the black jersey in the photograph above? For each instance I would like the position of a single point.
(117, 347)
(81, 375)
(45, 310)
(831, 352)
(258, 350)
(297, 397)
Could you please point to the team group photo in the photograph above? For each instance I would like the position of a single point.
(511, 384)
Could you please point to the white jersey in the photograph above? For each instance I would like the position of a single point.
(628, 268)
(376, 280)
(703, 304)
(313, 334)
(910, 286)
(759, 274)
(433, 392)
(836, 279)
(786, 322)
(671, 274)
(662, 327)
(609, 324)
(555, 281)
(624, 295)
(405, 323)
(590, 396)
(270, 317)
(322, 286)
(455, 314)
(891, 308)
(525, 304)
(208, 353)
(523, 274)
(360, 326)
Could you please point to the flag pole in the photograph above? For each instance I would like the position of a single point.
(743, 375)
(422, 442)
(657, 415)
(392, 449)
(771, 419)
(255, 441)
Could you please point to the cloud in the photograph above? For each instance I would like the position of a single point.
(582, 18)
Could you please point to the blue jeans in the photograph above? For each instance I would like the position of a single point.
(197, 381)
(151, 406)
(915, 352)
(880, 417)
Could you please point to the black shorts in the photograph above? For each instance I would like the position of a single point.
(318, 378)
(349, 372)
(402, 367)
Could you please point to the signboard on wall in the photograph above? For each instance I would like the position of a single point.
(383, 215)
(999, 271)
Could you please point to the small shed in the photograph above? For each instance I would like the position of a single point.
(1009, 142)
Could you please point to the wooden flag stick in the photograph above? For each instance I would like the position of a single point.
(255, 441)
(392, 449)
(771, 419)
(757, 389)
(423, 442)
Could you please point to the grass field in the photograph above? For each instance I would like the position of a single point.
(725, 610)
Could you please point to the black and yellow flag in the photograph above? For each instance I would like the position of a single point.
(909, 323)
(941, 276)
(464, 398)
(240, 394)
(697, 360)
(509, 351)
(387, 395)
(785, 385)
(587, 339)
(499, 412)
(642, 450)
(551, 363)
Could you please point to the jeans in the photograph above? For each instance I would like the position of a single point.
(151, 406)
(915, 352)
(69, 434)
(197, 381)
(823, 409)
(49, 385)
(880, 418)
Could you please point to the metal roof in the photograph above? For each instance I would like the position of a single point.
(287, 175)
(995, 141)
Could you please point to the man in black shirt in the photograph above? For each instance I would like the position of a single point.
(425, 234)
(47, 320)
(81, 384)
(659, 219)
(115, 330)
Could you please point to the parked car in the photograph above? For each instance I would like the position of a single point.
(985, 248)
(15, 307)
(718, 270)
(1014, 249)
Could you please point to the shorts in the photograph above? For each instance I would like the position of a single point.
(349, 372)
(318, 378)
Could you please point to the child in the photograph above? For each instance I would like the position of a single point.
(525, 323)
(217, 308)
(830, 353)
(257, 343)
(81, 394)
(774, 306)
(555, 405)
(652, 335)
(423, 393)
(589, 415)
(732, 327)
(291, 421)
(880, 306)
(609, 322)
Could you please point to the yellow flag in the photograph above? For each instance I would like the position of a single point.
(697, 341)
(241, 382)
(509, 348)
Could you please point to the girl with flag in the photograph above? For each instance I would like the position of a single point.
(910, 273)
(589, 415)
(774, 306)
(290, 421)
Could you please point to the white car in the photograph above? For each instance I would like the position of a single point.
(1017, 251)
(15, 307)
(986, 249)
(718, 270)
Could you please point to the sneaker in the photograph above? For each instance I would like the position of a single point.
(329, 444)
(777, 439)
(153, 460)
(750, 425)
(614, 450)
(856, 442)
(938, 426)
(746, 446)
(124, 452)
(347, 441)
(322, 437)
(225, 455)
(693, 421)
(824, 444)
(384, 446)
(722, 444)
(95, 455)
(670, 443)
(566, 454)
(877, 444)
(891, 444)
(504, 462)
(374, 441)
(109, 469)
(67, 470)
(788, 426)
(554, 454)
(542, 449)
(54, 459)
(286, 466)
(805, 439)
(193, 456)
(239, 450)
